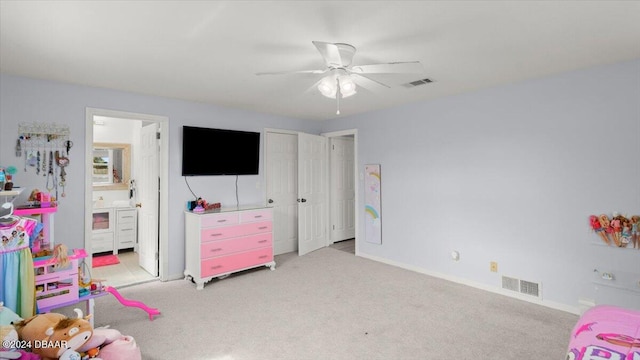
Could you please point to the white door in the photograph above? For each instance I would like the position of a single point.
(148, 191)
(342, 190)
(312, 193)
(282, 189)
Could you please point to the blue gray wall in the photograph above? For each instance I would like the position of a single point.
(28, 100)
(508, 174)
(511, 174)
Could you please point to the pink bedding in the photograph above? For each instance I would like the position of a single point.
(606, 333)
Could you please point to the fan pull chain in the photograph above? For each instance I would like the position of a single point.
(337, 97)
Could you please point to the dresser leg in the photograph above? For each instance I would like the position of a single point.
(199, 285)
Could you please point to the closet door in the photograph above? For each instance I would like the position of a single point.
(282, 189)
(312, 192)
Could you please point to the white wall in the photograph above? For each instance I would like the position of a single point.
(511, 174)
(28, 100)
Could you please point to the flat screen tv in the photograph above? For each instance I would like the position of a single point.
(207, 151)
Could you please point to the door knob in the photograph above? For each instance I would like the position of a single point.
(302, 200)
(139, 205)
(270, 201)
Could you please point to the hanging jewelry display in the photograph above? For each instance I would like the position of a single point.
(39, 142)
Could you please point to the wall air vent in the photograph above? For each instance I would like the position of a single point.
(510, 283)
(530, 288)
(521, 286)
(417, 83)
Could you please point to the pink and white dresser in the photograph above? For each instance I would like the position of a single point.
(225, 241)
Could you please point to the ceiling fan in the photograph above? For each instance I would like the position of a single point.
(341, 78)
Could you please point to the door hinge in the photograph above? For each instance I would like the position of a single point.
(158, 135)
(333, 147)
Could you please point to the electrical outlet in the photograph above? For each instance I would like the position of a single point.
(493, 266)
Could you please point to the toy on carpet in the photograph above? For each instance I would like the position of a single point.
(110, 344)
(58, 335)
(10, 348)
(7, 316)
(134, 303)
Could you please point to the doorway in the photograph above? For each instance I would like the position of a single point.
(282, 177)
(145, 259)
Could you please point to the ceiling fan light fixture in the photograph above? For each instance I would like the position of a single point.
(347, 86)
(327, 87)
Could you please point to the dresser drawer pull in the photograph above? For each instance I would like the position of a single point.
(222, 220)
(127, 217)
(262, 241)
(218, 234)
(129, 229)
(262, 257)
(262, 227)
(214, 250)
(257, 216)
(216, 267)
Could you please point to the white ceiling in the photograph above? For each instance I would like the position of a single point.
(210, 51)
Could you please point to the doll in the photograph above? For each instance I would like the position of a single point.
(606, 225)
(635, 231)
(625, 237)
(617, 223)
(597, 227)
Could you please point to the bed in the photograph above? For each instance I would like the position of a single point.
(606, 332)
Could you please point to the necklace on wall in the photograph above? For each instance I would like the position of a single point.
(50, 175)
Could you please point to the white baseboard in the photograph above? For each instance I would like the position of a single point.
(174, 277)
(477, 285)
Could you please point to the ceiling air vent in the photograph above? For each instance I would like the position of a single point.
(417, 83)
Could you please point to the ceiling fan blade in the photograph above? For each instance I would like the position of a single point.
(293, 72)
(407, 67)
(367, 82)
(330, 53)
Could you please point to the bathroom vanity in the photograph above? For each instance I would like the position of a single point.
(113, 229)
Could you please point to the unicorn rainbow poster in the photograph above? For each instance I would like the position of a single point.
(372, 214)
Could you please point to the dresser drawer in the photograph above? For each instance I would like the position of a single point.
(222, 219)
(127, 230)
(224, 247)
(127, 240)
(225, 264)
(255, 215)
(126, 217)
(102, 242)
(213, 234)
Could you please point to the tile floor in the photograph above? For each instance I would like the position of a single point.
(126, 273)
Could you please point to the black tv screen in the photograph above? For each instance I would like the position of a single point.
(207, 151)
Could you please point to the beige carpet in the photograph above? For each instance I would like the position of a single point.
(333, 305)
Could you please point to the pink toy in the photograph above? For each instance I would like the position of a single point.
(138, 304)
(124, 348)
(606, 332)
(100, 338)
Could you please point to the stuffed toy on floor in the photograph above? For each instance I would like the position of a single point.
(110, 344)
(58, 336)
(10, 345)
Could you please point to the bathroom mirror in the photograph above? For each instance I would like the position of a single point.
(111, 168)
